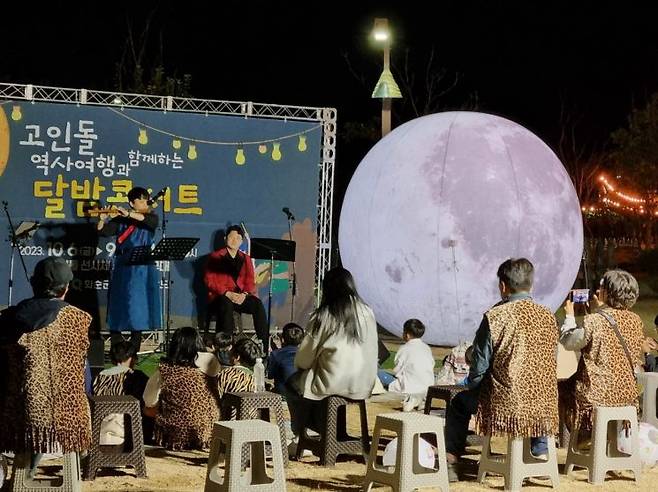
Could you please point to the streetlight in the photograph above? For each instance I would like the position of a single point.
(386, 88)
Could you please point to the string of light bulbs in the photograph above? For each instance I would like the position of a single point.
(240, 158)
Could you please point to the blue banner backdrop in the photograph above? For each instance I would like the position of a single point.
(220, 170)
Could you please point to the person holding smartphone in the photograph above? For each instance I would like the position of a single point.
(610, 342)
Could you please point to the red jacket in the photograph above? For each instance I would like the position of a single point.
(219, 282)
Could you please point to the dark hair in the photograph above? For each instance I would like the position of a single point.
(184, 346)
(414, 327)
(138, 192)
(247, 350)
(122, 351)
(621, 287)
(339, 298)
(293, 334)
(655, 321)
(223, 340)
(208, 340)
(235, 228)
(517, 274)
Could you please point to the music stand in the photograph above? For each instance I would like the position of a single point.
(168, 249)
(263, 248)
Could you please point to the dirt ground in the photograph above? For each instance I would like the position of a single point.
(185, 471)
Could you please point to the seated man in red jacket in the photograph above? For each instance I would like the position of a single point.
(229, 276)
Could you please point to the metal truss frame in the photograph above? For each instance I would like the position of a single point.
(247, 109)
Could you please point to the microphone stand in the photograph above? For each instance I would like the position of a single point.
(293, 280)
(15, 245)
(167, 277)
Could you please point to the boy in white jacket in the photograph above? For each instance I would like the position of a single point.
(414, 365)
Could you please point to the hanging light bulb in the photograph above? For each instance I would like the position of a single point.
(301, 146)
(176, 144)
(262, 148)
(191, 152)
(143, 137)
(239, 156)
(16, 114)
(276, 153)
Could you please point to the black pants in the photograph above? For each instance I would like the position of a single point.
(135, 339)
(222, 308)
(462, 406)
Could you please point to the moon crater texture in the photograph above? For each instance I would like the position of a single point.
(435, 207)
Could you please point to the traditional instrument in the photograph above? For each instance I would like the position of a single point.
(94, 211)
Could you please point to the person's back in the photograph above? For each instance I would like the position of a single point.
(121, 379)
(46, 405)
(522, 385)
(281, 363)
(182, 397)
(336, 365)
(239, 376)
(605, 375)
(414, 362)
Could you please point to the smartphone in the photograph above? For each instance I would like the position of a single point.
(580, 296)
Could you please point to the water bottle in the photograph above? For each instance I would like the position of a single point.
(259, 375)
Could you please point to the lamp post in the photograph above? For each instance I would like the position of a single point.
(386, 88)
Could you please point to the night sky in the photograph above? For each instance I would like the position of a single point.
(523, 61)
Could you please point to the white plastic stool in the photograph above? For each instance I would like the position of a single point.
(605, 455)
(233, 434)
(649, 380)
(408, 473)
(70, 476)
(518, 463)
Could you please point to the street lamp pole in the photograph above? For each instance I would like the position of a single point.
(386, 88)
(386, 101)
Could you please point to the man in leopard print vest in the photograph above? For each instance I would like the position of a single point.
(512, 383)
(44, 344)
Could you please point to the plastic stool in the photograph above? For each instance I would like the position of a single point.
(649, 380)
(261, 405)
(70, 476)
(131, 452)
(445, 392)
(233, 435)
(518, 463)
(408, 473)
(604, 455)
(334, 439)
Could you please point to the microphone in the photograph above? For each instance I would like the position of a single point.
(287, 211)
(159, 194)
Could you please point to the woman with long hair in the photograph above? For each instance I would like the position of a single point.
(182, 394)
(338, 355)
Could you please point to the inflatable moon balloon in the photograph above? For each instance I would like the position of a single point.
(439, 203)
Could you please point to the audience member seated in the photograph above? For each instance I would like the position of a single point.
(338, 355)
(222, 344)
(414, 366)
(605, 374)
(182, 393)
(513, 361)
(281, 364)
(44, 342)
(122, 379)
(239, 376)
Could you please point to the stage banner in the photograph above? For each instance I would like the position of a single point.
(57, 160)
